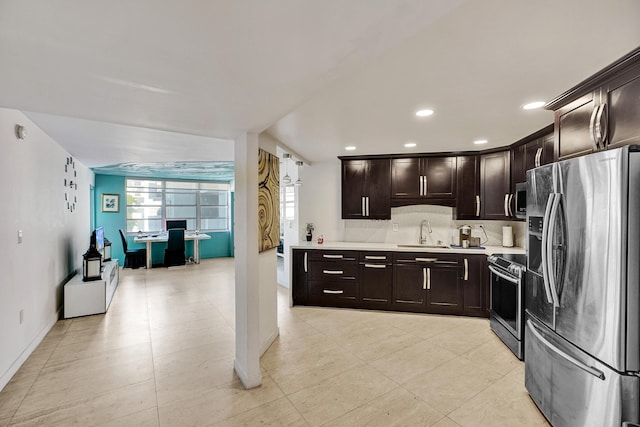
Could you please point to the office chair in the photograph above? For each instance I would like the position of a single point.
(134, 258)
(174, 254)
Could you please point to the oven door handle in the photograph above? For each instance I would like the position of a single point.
(504, 276)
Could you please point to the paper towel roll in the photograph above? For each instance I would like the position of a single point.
(507, 236)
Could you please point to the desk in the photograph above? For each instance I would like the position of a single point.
(164, 237)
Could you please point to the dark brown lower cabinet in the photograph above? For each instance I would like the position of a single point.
(299, 274)
(474, 282)
(444, 293)
(409, 287)
(444, 283)
(376, 277)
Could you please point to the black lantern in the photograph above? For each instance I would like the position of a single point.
(107, 250)
(91, 265)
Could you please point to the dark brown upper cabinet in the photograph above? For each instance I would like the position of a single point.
(365, 189)
(531, 152)
(468, 187)
(572, 124)
(601, 112)
(428, 180)
(495, 186)
(623, 101)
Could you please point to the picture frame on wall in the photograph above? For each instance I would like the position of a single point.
(110, 203)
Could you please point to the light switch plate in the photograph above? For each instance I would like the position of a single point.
(19, 236)
(394, 226)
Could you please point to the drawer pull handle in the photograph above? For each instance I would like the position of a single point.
(375, 265)
(332, 271)
(380, 257)
(329, 291)
(332, 256)
(427, 259)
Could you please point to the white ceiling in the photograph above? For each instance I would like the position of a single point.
(154, 81)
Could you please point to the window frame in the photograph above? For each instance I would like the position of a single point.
(166, 187)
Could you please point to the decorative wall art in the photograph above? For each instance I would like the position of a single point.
(70, 184)
(268, 201)
(110, 203)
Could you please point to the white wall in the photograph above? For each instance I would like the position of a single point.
(320, 200)
(54, 239)
(267, 274)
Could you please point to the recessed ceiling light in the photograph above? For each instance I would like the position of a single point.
(410, 144)
(480, 141)
(350, 148)
(533, 105)
(424, 113)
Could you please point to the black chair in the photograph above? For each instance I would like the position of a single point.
(174, 254)
(134, 258)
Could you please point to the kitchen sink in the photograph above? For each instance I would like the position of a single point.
(423, 246)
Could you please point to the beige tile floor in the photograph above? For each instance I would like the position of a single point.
(163, 355)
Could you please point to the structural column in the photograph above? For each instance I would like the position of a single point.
(247, 360)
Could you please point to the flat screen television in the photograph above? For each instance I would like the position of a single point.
(176, 223)
(97, 239)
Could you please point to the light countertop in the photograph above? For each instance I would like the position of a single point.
(364, 246)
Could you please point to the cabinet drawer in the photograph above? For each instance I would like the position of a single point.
(333, 256)
(375, 257)
(333, 271)
(438, 259)
(327, 290)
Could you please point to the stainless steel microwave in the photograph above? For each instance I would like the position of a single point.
(521, 200)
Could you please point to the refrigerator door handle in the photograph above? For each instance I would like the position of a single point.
(589, 369)
(545, 237)
(553, 217)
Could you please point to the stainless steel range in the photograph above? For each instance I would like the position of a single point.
(507, 303)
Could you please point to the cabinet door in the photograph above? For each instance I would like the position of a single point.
(547, 145)
(495, 179)
(468, 191)
(440, 177)
(572, 128)
(624, 111)
(375, 284)
(474, 278)
(518, 163)
(377, 188)
(409, 287)
(353, 179)
(299, 274)
(444, 295)
(405, 178)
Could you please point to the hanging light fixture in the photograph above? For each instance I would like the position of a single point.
(286, 179)
(298, 182)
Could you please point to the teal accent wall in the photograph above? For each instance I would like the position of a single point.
(220, 244)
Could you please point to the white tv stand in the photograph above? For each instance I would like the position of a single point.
(94, 297)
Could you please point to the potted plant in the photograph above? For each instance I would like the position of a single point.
(309, 231)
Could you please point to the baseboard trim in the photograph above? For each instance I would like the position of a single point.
(265, 345)
(15, 366)
(244, 378)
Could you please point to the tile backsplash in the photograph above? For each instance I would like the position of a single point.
(407, 220)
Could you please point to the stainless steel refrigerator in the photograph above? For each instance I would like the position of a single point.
(582, 294)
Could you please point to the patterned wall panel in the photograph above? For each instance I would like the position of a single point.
(268, 201)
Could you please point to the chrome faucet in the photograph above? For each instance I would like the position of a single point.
(423, 239)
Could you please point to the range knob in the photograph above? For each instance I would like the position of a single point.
(492, 258)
